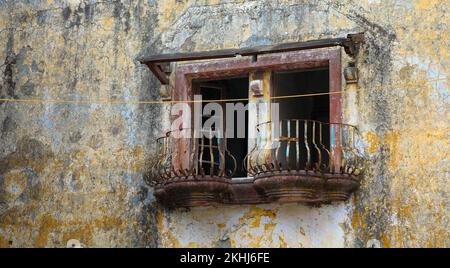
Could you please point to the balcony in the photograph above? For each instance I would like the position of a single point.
(192, 171)
(307, 161)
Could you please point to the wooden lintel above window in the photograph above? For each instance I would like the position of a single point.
(157, 62)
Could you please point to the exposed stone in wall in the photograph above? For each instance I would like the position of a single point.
(76, 171)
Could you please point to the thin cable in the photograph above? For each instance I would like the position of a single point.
(105, 102)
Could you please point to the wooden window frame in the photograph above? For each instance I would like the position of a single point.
(284, 61)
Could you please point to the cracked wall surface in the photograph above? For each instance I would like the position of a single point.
(75, 171)
(70, 171)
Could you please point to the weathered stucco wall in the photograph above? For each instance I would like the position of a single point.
(71, 171)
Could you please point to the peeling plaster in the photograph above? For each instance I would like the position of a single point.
(76, 172)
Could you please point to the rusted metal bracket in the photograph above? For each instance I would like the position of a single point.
(161, 70)
(159, 63)
(352, 44)
(351, 74)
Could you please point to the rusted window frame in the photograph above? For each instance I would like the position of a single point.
(284, 61)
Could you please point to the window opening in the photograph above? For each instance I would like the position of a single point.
(230, 88)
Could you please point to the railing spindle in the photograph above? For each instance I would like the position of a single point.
(319, 160)
(222, 159)
(297, 144)
(211, 153)
(277, 150)
(308, 153)
(288, 144)
(202, 146)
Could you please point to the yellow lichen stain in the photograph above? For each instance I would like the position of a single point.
(138, 152)
(397, 236)
(255, 242)
(169, 238)
(269, 227)
(426, 4)
(256, 222)
(193, 245)
(438, 239)
(168, 11)
(160, 220)
(108, 23)
(374, 142)
(385, 241)
(255, 214)
(438, 134)
(357, 220)
(405, 211)
(46, 225)
(173, 240)
(138, 160)
(252, 219)
(74, 229)
(4, 243)
(232, 243)
(392, 140)
(108, 222)
(283, 243)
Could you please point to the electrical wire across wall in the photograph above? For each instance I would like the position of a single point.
(102, 102)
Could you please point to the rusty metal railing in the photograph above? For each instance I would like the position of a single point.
(305, 145)
(185, 156)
